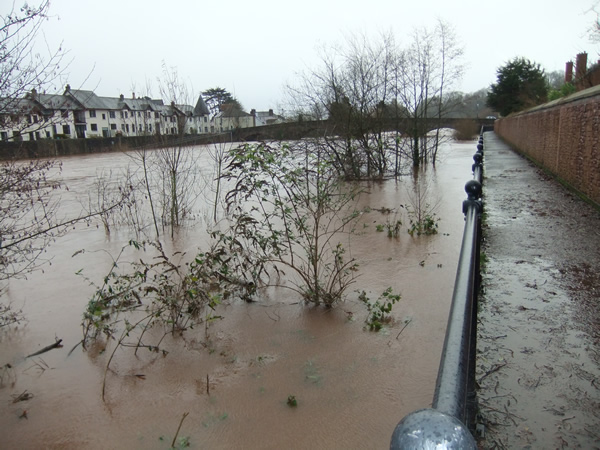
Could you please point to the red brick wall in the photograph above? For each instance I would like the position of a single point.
(563, 136)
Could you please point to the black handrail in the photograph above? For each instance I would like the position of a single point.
(444, 423)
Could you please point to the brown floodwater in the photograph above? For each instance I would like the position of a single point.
(352, 386)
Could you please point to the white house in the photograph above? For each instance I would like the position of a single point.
(79, 113)
(266, 117)
(36, 116)
(142, 116)
(230, 118)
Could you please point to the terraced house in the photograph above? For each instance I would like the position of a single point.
(83, 114)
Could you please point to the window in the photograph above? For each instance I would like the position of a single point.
(140, 127)
(139, 114)
(92, 113)
(47, 134)
(94, 126)
(65, 114)
(126, 114)
(111, 114)
(35, 118)
(205, 119)
(4, 135)
(121, 114)
(103, 116)
(127, 127)
(113, 126)
(29, 119)
(150, 127)
(123, 127)
(156, 115)
(206, 129)
(66, 129)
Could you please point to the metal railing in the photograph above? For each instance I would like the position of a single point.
(444, 425)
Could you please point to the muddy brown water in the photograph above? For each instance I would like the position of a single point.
(352, 386)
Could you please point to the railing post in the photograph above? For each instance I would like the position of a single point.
(431, 429)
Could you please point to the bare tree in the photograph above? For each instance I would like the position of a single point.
(365, 89)
(350, 90)
(595, 27)
(176, 163)
(429, 66)
(28, 204)
(449, 71)
(23, 71)
(218, 154)
(27, 216)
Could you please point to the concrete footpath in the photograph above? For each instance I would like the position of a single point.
(538, 351)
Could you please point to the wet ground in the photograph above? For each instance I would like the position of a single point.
(352, 386)
(538, 363)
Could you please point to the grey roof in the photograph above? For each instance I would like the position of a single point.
(141, 104)
(201, 109)
(80, 99)
(188, 110)
(228, 110)
(10, 105)
(56, 101)
(88, 99)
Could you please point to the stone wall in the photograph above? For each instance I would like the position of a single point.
(51, 148)
(562, 136)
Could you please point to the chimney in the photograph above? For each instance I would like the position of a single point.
(580, 65)
(122, 97)
(133, 95)
(569, 72)
(252, 112)
(68, 87)
(270, 112)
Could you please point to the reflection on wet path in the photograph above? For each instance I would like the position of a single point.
(351, 386)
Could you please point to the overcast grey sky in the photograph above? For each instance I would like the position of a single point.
(253, 47)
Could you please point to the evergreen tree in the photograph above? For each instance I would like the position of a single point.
(521, 84)
(217, 96)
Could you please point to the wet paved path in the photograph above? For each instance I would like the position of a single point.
(538, 362)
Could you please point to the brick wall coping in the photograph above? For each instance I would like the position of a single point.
(581, 95)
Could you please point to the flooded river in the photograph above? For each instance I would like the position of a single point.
(351, 385)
